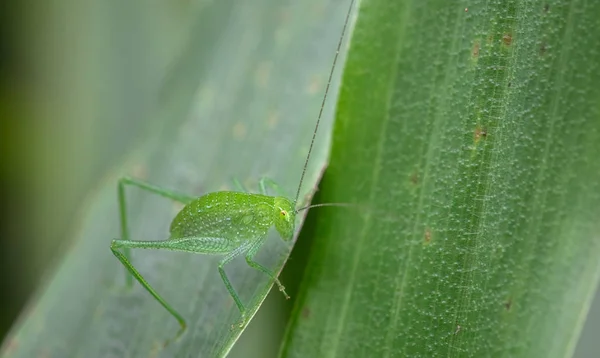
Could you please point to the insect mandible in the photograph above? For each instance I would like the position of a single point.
(227, 223)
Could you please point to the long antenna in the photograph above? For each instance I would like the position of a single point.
(312, 142)
(345, 205)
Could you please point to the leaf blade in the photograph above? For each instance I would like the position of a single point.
(474, 245)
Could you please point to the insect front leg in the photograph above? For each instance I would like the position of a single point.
(182, 198)
(250, 260)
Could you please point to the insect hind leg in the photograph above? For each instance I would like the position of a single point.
(125, 181)
(126, 244)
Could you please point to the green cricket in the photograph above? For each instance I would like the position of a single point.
(227, 223)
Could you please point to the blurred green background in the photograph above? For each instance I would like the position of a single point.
(78, 83)
(74, 98)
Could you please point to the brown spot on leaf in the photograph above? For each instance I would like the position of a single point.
(479, 133)
(508, 304)
(507, 39)
(314, 85)
(475, 50)
(284, 16)
(262, 74)
(414, 178)
(140, 171)
(11, 346)
(239, 131)
(427, 235)
(273, 119)
(305, 312)
(542, 48)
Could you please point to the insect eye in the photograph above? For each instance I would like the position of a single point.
(283, 213)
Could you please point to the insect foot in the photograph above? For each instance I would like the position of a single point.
(241, 324)
(282, 289)
(177, 336)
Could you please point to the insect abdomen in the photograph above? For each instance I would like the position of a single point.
(230, 215)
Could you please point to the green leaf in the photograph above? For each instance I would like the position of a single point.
(241, 100)
(472, 138)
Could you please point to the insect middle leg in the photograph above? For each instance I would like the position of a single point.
(236, 298)
(250, 260)
(173, 195)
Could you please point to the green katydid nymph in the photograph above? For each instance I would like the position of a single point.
(227, 223)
